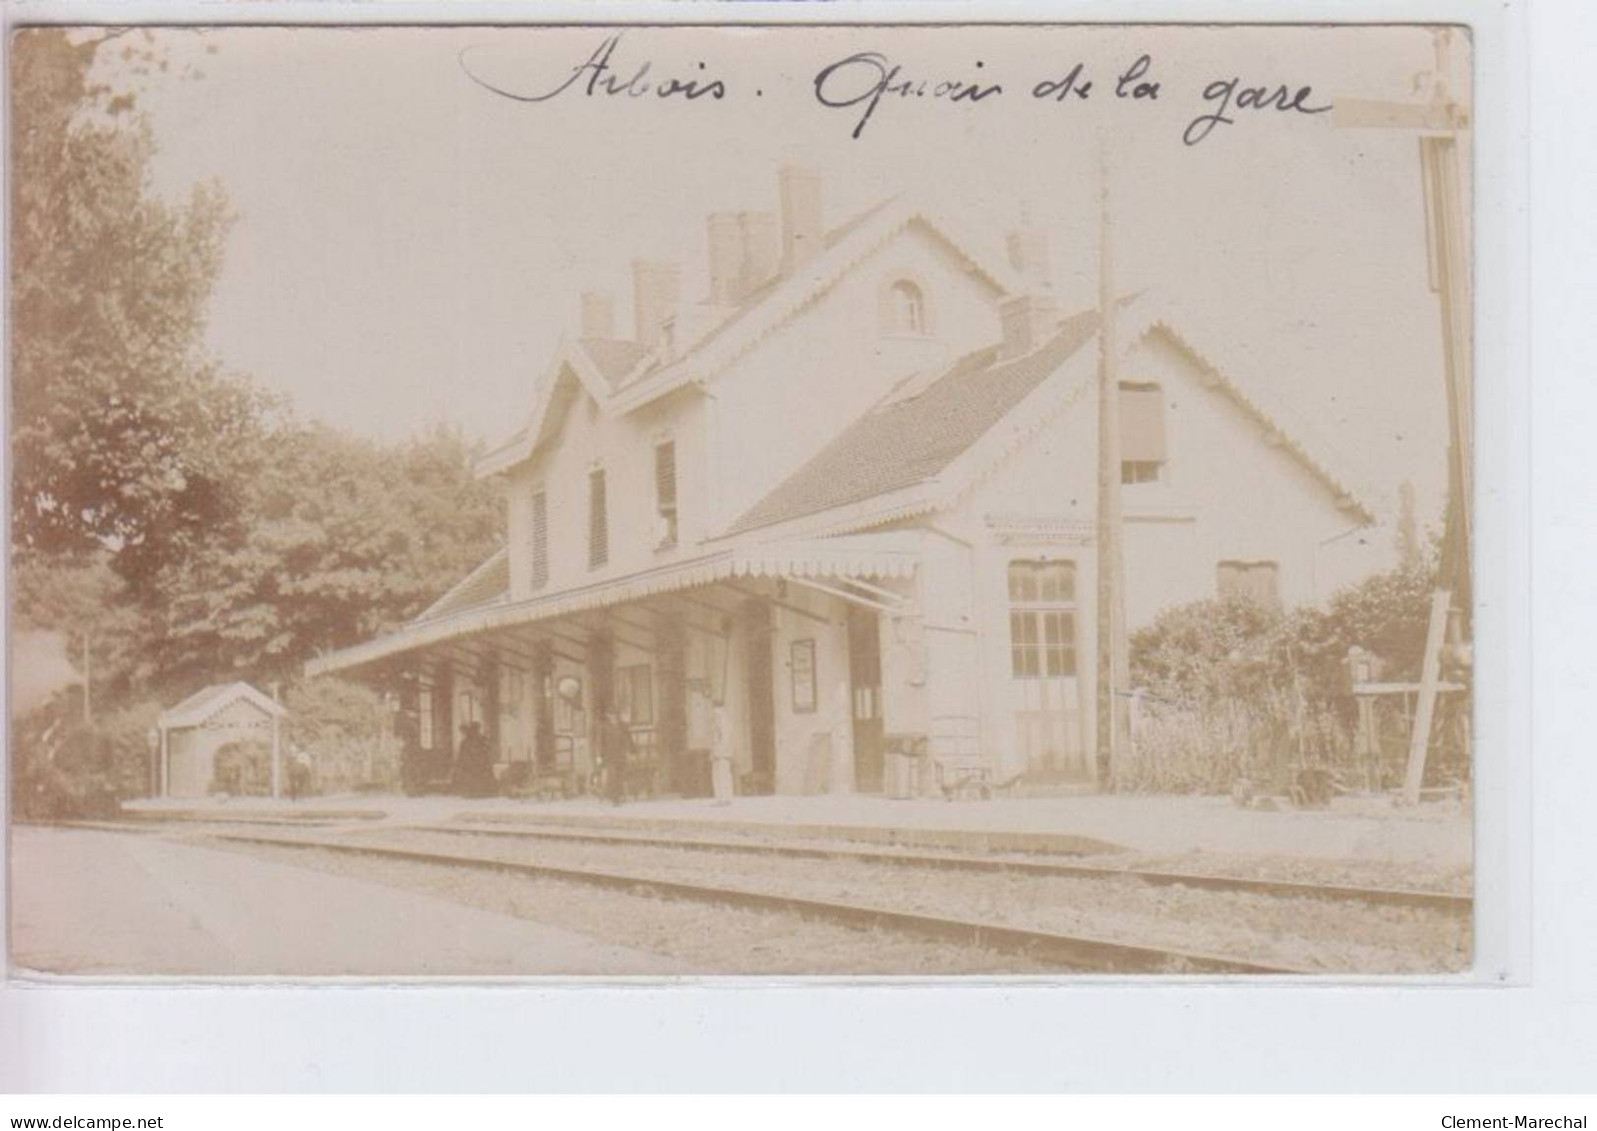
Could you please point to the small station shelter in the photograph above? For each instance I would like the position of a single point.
(224, 738)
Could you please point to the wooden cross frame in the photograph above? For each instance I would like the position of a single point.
(1440, 123)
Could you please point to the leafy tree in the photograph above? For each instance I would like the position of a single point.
(124, 435)
(1214, 649)
(1241, 690)
(346, 727)
(88, 603)
(171, 515)
(344, 538)
(64, 767)
(1204, 650)
(1388, 615)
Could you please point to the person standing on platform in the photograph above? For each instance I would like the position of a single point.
(615, 745)
(701, 743)
(300, 773)
(721, 757)
(474, 767)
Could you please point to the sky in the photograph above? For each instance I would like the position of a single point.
(411, 245)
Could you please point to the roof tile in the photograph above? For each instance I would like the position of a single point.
(903, 442)
(488, 584)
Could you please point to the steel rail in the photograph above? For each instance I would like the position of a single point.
(1096, 954)
(1445, 902)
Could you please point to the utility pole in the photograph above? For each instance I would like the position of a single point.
(88, 676)
(1113, 667)
(277, 743)
(1440, 123)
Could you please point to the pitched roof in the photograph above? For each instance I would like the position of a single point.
(1307, 443)
(613, 358)
(207, 701)
(488, 584)
(769, 307)
(749, 305)
(633, 376)
(877, 556)
(906, 441)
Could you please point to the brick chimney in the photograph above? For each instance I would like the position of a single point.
(726, 257)
(803, 216)
(762, 249)
(1027, 322)
(598, 315)
(655, 288)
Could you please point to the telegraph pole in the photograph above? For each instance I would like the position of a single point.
(1440, 123)
(277, 743)
(1113, 668)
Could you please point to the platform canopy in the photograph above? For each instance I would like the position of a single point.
(812, 561)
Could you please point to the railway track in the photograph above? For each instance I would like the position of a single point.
(1393, 897)
(1435, 901)
(1077, 951)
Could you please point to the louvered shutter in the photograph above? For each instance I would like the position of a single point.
(1142, 434)
(598, 520)
(540, 540)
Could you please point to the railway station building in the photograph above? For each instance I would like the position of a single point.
(849, 496)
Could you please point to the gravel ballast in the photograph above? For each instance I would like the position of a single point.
(1333, 937)
(706, 939)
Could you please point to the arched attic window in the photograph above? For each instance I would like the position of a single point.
(903, 309)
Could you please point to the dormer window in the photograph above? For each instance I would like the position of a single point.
(903, 309)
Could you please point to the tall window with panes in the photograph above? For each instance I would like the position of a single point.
(1143, 458)
(665, 494)
(538, 538)
(598, 520)
(1042, 619)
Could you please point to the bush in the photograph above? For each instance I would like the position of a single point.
(66, 769)
(1234, 690)
(347, 730)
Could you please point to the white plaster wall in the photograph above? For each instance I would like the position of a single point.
(764, 417)
(832, 717)
(624, 447)
(784, 401)
(906, 673)
(189, 765)
(1229, 494)
(193, 750)
(952, 632)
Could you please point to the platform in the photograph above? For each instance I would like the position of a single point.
(95, 903)
(1354, 828)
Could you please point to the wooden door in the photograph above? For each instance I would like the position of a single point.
(865, 680)
(1044, 692)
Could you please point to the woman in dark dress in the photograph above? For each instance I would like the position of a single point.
(474, 767)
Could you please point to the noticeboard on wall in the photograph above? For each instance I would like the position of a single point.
(802, 663)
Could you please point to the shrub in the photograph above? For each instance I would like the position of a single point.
(347, 730)
(1232, 689)
(64, 768)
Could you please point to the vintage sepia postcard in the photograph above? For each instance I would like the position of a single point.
(686, 501)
